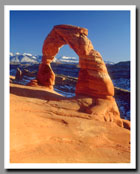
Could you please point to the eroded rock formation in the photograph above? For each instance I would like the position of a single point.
(93, 76)
(93, 80)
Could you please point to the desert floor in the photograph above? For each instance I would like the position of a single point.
(46, 127)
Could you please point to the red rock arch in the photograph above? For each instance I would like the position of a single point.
(93, 77)
(93, 80)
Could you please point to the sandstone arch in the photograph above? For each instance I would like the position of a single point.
(93, 76)
(93, 81)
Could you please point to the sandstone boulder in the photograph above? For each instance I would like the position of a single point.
(19, 74)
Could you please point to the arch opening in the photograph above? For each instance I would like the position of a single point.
(66, 55)
(66, 69)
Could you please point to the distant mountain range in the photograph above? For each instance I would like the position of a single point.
(25, 58)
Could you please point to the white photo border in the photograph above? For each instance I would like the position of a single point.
(7, 164)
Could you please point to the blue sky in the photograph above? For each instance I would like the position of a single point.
(109, 31)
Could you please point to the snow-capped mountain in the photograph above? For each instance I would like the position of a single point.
(24, 58)
(27, 54)
(65, 59)
(29, 58)
(74, 60)
(11, 54)
(109, 62)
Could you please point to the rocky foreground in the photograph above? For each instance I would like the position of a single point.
(46, 127)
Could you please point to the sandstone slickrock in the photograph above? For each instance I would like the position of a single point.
(93, 80)
(46, 127)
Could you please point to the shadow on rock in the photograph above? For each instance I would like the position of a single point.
(40, 94)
